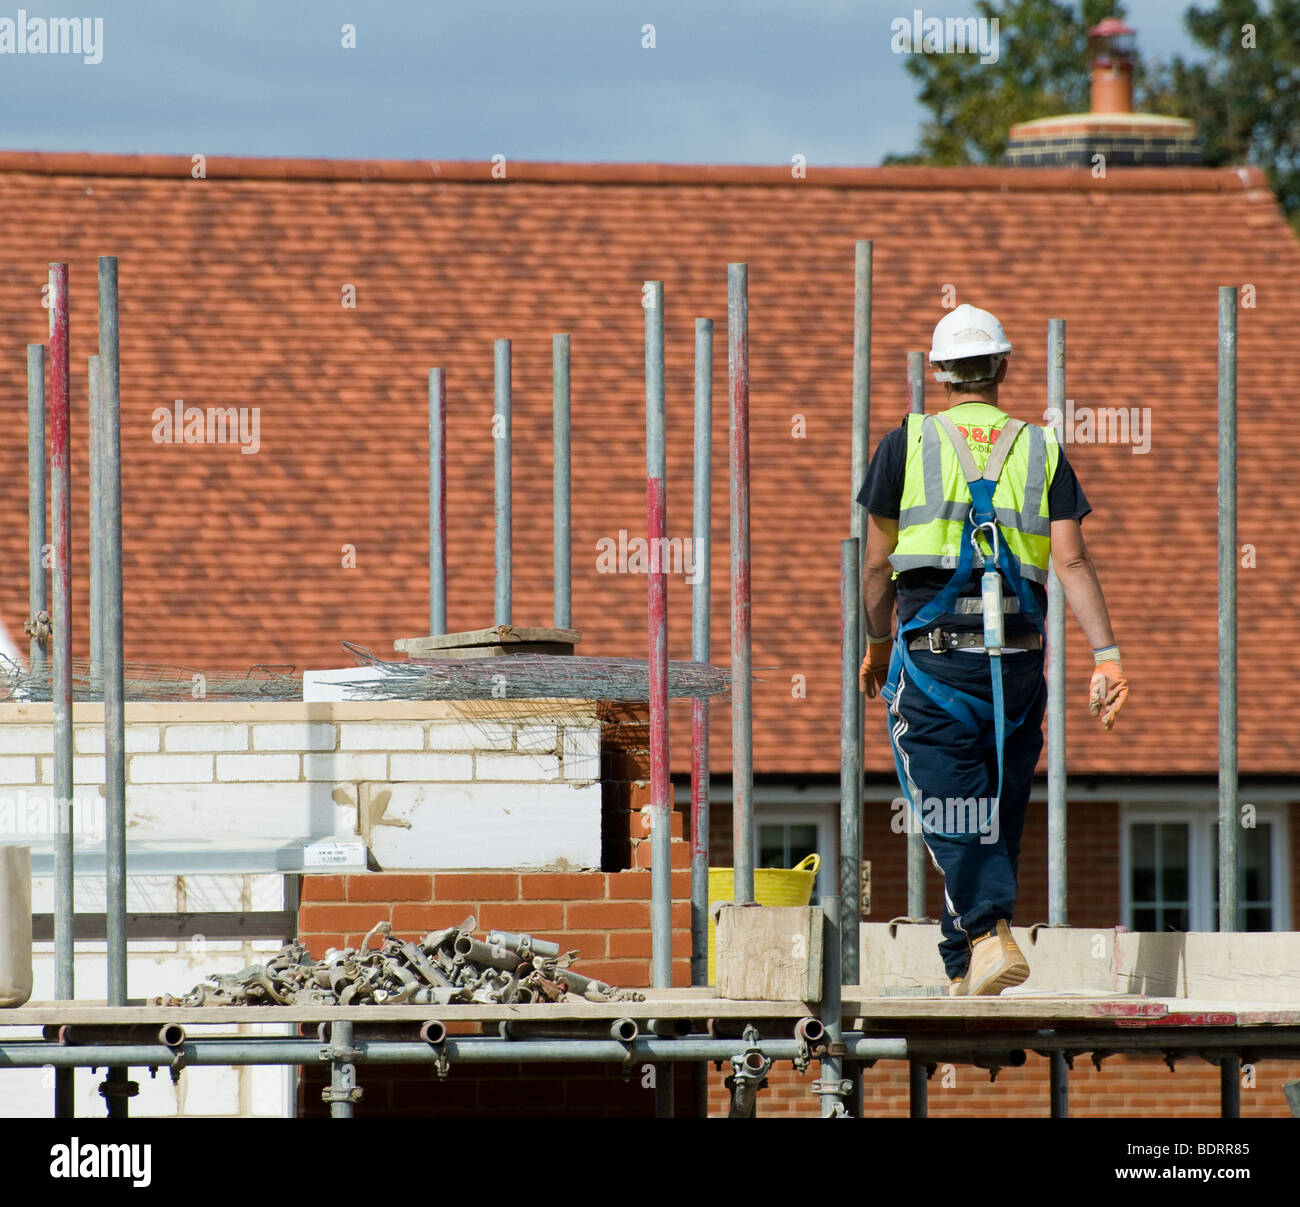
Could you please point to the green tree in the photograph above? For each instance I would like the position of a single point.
(1042, 70)
(1245, 96)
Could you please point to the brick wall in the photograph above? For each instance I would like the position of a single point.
(604, 914)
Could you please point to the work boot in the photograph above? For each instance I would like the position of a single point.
(955, 987)
(996, 963)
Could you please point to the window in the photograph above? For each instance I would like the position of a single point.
(782, 837)
(1170, 869)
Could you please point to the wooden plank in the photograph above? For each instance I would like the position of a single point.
(462, 653)
(770, 952)
(1054, 1008)
(502, 634)
(38, 1013)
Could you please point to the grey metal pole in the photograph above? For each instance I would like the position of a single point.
(831, 1086)
(850, 762)
(1057, 867)
(501, 432)
(861, 385)
(343, 1073)
(859, 459)
(742, 717)
(61, 656)
(274, 1050)
(437, 502)
(110, 544)
(661, 934)
(36, 588)
(560, 358)
(702, 515)
(916, 363)
(61, 624)
(1229, 907)
(701, 579)
(656, 498)
(96, 568)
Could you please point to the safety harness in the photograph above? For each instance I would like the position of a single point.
(970, 711)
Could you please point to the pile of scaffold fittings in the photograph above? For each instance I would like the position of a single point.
(445, 966)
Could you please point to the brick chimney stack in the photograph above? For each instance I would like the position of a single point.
(1111, 46)
(1111, 133)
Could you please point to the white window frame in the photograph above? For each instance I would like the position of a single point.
(826, 818)
(1202, 821)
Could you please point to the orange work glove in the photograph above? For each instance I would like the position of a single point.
(1108, 688)
(875, 666)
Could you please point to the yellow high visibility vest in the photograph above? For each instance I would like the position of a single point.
(936, 499)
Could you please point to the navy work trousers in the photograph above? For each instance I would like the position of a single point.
(945, 763)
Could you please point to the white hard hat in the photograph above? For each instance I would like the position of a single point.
(962, 333)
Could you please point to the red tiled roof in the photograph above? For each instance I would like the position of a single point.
(230, 291)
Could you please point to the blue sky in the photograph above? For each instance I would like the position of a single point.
(728, 81)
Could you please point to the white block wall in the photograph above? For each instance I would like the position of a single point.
(514, 785)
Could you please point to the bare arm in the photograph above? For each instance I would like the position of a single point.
(1074, 567)
(878, 588)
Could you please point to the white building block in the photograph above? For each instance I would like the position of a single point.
(139, 739)
(471, 735)
(26, 739)
(434, 766)
(490, 826)
(520, 768)
(537, 739)
(17, 770)
(294, 735)
(205, 736)
(244, 767)
(169, 769)
(581, 753)
(343, 767)
(381, 735)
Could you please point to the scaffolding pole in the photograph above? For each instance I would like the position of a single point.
(117, 1087)
(437, 502)
(916, 362)
(661, 956)
(96, 506)
(560, 439)
(501, 461)
(742, 717)
(701, 580)
(1057, 867)
(1229, 907)
(38, 599)
(850, 877)
(61, 653)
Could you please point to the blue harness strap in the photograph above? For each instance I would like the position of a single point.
(969, 711)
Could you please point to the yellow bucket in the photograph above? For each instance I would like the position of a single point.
(772, 886)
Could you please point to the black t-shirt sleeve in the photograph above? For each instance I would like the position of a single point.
(882, 492)
(1065, 497)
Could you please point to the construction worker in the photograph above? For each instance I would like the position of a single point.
(964, 510)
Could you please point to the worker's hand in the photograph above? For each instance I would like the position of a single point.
(1107, 692)
(875, 667)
